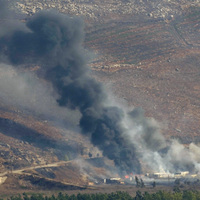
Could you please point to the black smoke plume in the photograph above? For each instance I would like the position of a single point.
(54, 41)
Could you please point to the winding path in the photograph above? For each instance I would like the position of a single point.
(21, 171)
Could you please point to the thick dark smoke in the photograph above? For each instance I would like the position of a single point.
(54, 41)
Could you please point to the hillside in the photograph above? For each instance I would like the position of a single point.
(102, 11)
(146, 52)
(154, 64)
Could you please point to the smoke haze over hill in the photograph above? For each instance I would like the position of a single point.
(54, 42)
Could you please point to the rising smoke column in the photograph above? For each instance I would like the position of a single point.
(54, 41)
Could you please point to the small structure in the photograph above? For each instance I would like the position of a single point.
(113, 181)
(168, 175)
(181, 174)
(160, 175)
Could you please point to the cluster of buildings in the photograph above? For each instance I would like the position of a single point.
(131, 179)
(183, 174)
(158, 175)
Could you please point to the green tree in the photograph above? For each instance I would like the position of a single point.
(25, 196)
(16, 197)
(177, 196)
(138, 196)
(188, 195)
(176, 189)
(61, 196)
(147, 196)
(72, 197)
(36, 197)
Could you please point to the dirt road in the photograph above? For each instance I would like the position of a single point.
(21, 171)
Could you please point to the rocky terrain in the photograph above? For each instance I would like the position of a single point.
(98, 10)
(147, 52)
(154, 64)
(31, 151)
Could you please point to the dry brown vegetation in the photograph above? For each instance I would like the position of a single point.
(151, 63)
(154, 65)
